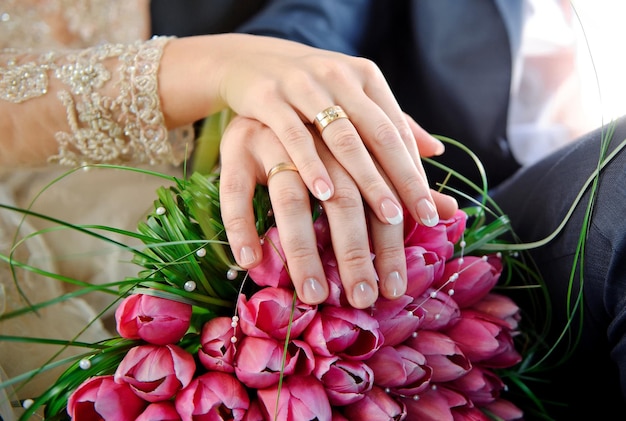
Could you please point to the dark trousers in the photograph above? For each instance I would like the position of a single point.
(537, 199)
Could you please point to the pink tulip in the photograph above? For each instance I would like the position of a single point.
(345, 381)
(398, 319)
(468, 413)
(300, 398)
(501, 307)
(101, 398)
(439, 310)
(159, 321)
(484, 339)
(401, 369)
(423, 267)
(436, 403)
(345, 332)
(217, 351)
(442, 354)
(272, 271)
(440, 238)
(322, 232)
(505, 410)
(159, 411)
(480, 385)
(272, 313)
(254, 412)
(156, 373)
(470, 278)
(336, 293)
(213, 396)
(376, 406)
(338, 416)
(260, 361)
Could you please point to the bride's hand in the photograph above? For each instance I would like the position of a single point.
(285, 85)
(248, 151)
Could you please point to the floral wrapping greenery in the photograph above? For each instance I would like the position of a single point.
(202, 339)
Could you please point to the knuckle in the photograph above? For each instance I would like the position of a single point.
(386, 135)
(298, 250)
(231, 187)
(389, 252)
(289, 199)
(354, 257)
(234, 223)
(345, 139)
(296, 136)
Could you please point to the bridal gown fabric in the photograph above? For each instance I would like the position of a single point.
(109, 197)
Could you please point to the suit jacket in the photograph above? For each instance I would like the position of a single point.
(448, 62)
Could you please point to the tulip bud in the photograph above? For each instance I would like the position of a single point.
(442, 354)
(157, 320)
(272, 270)
(422, 268)
(156, 373)
(439, 310)
(376, 406)
(260, 361)
(101, 398)
(159, 411)
(272, 313)
(470, 278)
(217, 350)
(299, 398)
(505, 410)
(484, 339)
(401, 370)
(501, 307)
(398, 319)
(213, 396)
(439, 239)
(436, 403)
(345, 381)
(480, 385)
(345, 332)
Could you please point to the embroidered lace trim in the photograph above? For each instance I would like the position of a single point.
(103, 129)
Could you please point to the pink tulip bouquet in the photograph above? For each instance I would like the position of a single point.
(200, 339)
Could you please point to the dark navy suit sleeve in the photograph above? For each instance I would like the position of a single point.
(337, 25)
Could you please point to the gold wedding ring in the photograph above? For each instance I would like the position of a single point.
(329, 115)
(283, 166)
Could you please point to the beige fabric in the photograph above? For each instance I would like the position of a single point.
(98, 196)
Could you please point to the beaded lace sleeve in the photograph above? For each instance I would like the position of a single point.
(110, 97)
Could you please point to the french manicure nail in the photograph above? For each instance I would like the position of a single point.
(363, 295)
(391, 211)
(322, 191)
(394, 284)
(441, 148)
(427, 213)
(313, 291)
(247, 256)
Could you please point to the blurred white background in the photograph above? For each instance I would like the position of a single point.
(603, 23)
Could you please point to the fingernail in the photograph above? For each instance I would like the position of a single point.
(363, 295)
(391, 211)
(313, 291)
(441, 148)
(322, 191)
(246, 256)
(394, 284)
(427, 213)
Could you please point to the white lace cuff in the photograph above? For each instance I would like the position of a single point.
(111, 100)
